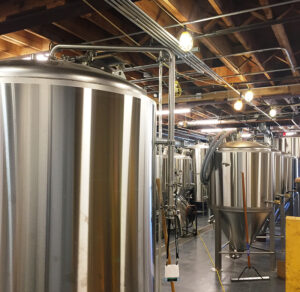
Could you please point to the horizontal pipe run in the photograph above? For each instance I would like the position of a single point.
(248, 27)
(200, 20)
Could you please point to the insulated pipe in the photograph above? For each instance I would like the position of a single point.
(172, 69)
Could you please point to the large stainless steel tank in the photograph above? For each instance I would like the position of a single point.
(76, 187)
(287, 173)
(276, 168)
(198, 154)
(231, 159)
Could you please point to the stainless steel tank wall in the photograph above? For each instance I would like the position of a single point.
(277, 172)
(226, 195)
(78, 167)
(290, 145)
(227, 182)
(287, 173)
(183, 171)
(198, 154)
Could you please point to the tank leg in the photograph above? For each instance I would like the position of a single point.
(272, 240)
(218, 235)
(282, 223)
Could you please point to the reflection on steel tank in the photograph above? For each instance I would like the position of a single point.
(231, 159)
(76, 205)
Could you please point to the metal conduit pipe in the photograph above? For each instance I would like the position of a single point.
(248, 27)
(284, 50)
(146, 23)
(171, 102)
(201, 20)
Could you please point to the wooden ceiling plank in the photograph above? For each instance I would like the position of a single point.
(281, 36)
(26, 39)
(246, 43)
(47, 16)
(9, 8)
(209, 43)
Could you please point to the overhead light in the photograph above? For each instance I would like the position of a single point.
(217, 130)
(273, 112)
(176, 111)
(238, 105)
(249, 95)
(186, 41)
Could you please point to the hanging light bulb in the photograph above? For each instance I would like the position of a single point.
(238, 105)
(186, 41)
(249, 95)
(273, 112)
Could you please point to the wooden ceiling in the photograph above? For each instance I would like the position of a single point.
(32, 26)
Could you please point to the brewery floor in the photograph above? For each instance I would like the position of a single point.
(197, 274)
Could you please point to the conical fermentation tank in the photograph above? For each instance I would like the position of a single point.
(231, 159)
(76, 187)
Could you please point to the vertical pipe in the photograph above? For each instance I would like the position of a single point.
(171, 128)
(160, 79)
(272, 240)
(218, 234)
(282, 222)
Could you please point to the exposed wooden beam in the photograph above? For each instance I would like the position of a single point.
(27, 39)
(40, 17)
(9, 8)
(217, 46)
(217, 5)
(280, 34)
(259, 92)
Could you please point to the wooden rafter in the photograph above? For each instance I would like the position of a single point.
(217, 5)
(280, 34)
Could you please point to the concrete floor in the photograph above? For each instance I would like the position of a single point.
(197, 274)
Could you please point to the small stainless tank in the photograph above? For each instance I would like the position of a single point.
(231, 159)
(198, 154)
(76, 187)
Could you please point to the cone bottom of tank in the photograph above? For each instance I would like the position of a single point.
(233, 225)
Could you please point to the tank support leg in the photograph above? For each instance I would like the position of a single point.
(282, 223)
(272, 240)
(218, 235)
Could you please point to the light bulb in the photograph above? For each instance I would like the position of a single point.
(238, 105)
(273, 112)
(186, 41)
(249, 95)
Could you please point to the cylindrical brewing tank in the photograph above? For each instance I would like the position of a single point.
(231, 159)
(183, 170)
(276, 168)
(198, 154)
(291, 145)
(76, 210)
(287, 173)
